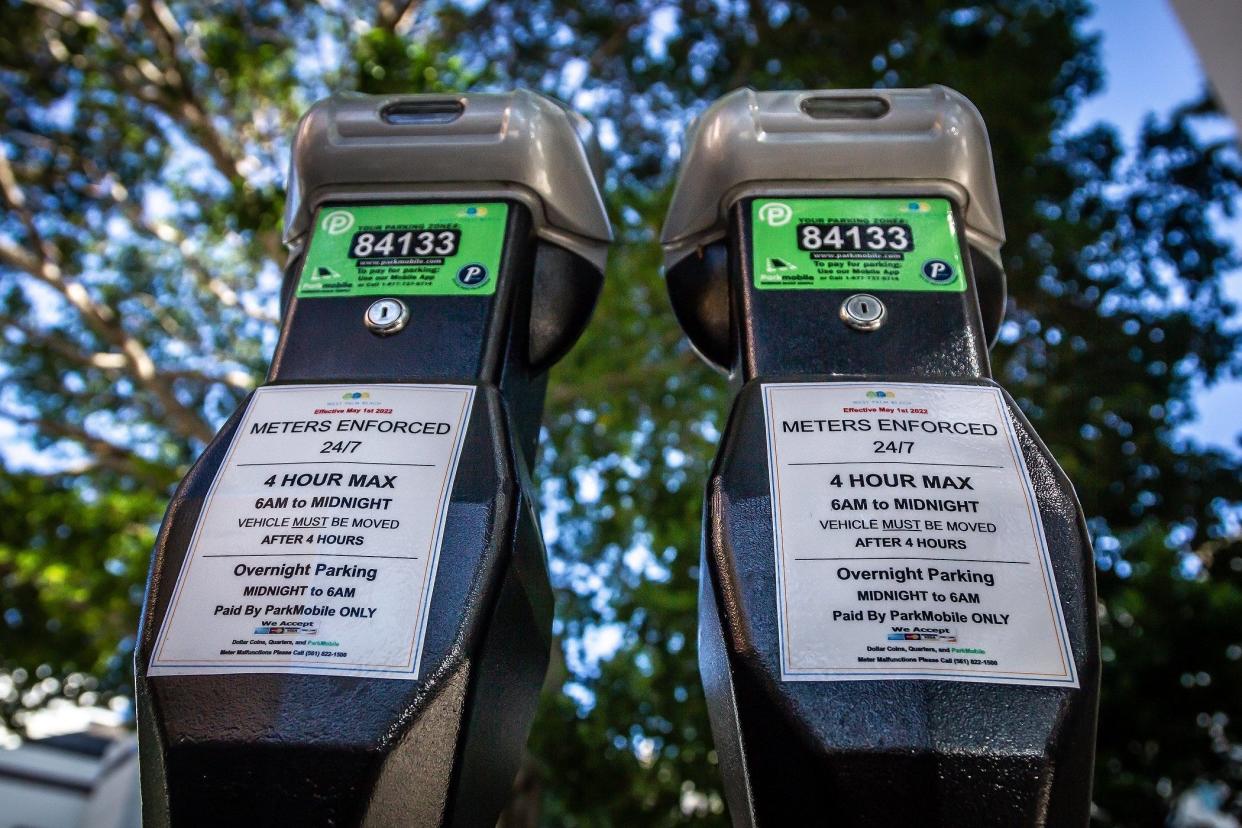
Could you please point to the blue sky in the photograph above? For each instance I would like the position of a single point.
(1150, 65)
(1148, 60)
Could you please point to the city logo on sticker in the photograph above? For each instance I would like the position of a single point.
(473, 211)
(349, 398)
(881, 396)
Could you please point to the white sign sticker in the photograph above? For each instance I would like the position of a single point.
(317, 545)
(908, 540)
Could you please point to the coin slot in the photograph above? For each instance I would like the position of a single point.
(826, 108)
(421, 113)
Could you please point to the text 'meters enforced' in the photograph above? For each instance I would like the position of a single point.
(908, 541)
(317, 546)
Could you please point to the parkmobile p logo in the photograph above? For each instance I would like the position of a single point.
(337, 222)
(775, 214)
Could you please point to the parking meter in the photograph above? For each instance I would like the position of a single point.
(897, 604)
(348, 617)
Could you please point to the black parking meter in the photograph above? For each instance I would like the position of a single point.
(348, 618)
(897, 608)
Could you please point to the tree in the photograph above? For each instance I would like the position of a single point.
(141, 175)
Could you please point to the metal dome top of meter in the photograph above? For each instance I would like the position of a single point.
(515, 145)
(867, 143)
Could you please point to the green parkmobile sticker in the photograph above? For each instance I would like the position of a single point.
(405, 249)
(856, 244)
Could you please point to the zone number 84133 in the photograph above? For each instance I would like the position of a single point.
(394, 244)
(895, 238)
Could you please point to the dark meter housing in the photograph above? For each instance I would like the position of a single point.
(897, 608)
(348, 618)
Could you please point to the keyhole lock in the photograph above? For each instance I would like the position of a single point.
(386, 316)
(863, 312)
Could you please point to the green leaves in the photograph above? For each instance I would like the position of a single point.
(390, 63)
(72, 561)
(143, 153)
(632, 418)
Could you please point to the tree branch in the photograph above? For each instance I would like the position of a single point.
(168, 89)
(100, 318)
(112, 362)
(104, 453)
(106, 186)
(395, 16)
(166, 35)
(172, 235)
